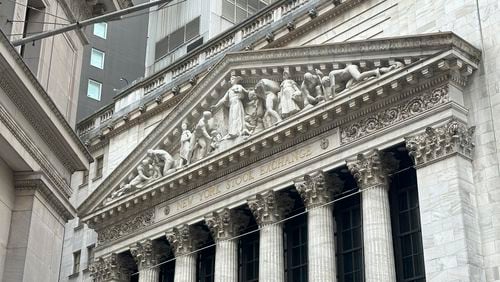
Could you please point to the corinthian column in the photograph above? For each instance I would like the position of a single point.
(370, 171)
(109, 268)
(446, 194)
(320, 225)
(268, 210)
(183, 242)
(224, 225)
(146, 260)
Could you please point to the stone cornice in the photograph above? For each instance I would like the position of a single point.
(38, 182)
(441, 142)
(50, 124)
(355, 103)
(372, 168)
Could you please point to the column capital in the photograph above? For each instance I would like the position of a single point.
(144, 254)
(226, 223)
(269, 207)
(184, 239)
(108, 268)
(372, 168)
(316, 188)
(437, 143)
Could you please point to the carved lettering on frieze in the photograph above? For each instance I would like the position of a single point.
(395, 114)
(128, 226)
(436, 143)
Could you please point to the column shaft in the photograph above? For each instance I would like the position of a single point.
(271, 260)
(377, 235)
(149, 274)
(226, 261)
(321, 245)
(185, 268)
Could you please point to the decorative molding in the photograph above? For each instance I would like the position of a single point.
(315, 190)
(30, 146)
(226, 223)
(372, 168)
(144, 253)
(438, 143)
(269, 207)
(109, 268)
(395, 114)
(125, 227)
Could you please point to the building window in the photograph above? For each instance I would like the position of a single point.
(249, 258)
(94, 90)
(101, 30)
(97, 58)
(85, 179)
(90, 255)
(406, 227)
(98, 166)
(236, 11)
(177, 38)
(206, 265)
(349, 241)
(296, 249)
(76, 262)
(167, 271)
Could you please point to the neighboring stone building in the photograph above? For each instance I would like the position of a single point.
(352, 140)
(39, 150)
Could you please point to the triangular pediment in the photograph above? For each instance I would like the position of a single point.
(240, 127)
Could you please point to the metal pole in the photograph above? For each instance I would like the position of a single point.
(78, 25)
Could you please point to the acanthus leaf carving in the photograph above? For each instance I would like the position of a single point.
(109, 268)
(144, 254)
(128, 226)
(269, 207)
(226, 223)
(372, 168)
(316, 190)
(435, 143)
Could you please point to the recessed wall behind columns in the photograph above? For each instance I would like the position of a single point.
(35, 240)
(6, 205)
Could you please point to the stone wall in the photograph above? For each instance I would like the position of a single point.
(6, 206)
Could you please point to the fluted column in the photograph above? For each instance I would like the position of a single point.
(224, 225)
(145, 257)
(268, 210)
(320, 225)
(109, 268)
(446, 194)
(370, 171)
(183, 241)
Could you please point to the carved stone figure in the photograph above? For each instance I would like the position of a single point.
(163, 162)
(267, 90)
(289, 96)
(233, 99)
(144, 173)
(351, 75)
(185, 145)
(312, 89)
(201, 138)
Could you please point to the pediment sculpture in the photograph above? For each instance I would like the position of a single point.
(243, 111)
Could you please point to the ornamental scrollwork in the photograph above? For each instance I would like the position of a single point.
(372, 168)
(393, 115)
(125, 227)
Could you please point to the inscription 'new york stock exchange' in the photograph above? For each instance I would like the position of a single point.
(267, 169)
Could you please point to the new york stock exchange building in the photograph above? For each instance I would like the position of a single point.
(316, 141)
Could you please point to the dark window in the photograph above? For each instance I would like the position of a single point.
(206, 265)
(85, 179)
(349, 241)
(167, 271)
(90, 255)
(76, 261)
(296, 249)
(406, 227)
(249, 257)
(177, 38)
(98, 166)
(192, 29)
(161, 48)
(195, 44)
